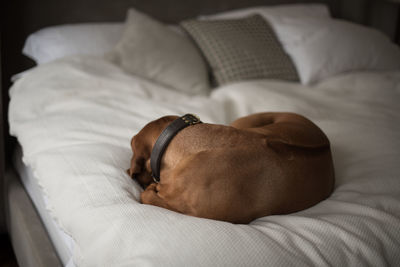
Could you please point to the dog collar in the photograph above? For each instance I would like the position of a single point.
(165, 138)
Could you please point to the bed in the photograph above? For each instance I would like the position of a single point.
(71, 203)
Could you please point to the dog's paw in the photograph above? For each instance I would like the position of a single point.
(149, 194)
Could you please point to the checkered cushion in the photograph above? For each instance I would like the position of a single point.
(241, 49)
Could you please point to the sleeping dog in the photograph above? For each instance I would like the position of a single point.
(262, 164)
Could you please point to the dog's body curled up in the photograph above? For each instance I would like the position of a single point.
(263, 164)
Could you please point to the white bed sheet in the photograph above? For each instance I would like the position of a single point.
(75, 117)
(62, 242)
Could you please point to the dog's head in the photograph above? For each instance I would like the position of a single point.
(142, 145)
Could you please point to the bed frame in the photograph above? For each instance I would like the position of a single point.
(29, 238)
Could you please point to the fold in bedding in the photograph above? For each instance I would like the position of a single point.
(61, 241)
(75, 117)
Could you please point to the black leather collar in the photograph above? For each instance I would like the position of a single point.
(165, 138)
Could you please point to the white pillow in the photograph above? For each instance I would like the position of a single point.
(55, 42)
(290, 10)
(321, 48)
(152, 50)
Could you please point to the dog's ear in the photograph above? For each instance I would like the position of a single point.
(137, 165)
(139, 172)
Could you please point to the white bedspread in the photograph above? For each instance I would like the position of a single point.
(75, 118)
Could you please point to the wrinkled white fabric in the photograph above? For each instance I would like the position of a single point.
(75, 117)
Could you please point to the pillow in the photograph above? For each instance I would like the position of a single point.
(269, 12)
(321, 48)
(241, 49)
(152, 50)
(55, 42)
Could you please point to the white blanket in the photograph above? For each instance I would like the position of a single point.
(75, 117)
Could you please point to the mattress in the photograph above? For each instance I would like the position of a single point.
(75, 118)
(62, 242)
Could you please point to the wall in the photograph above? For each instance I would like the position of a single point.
(380, 14)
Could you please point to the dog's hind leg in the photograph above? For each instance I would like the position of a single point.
(284, 128)
(151, 197)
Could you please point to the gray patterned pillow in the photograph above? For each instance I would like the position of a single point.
(241, 49)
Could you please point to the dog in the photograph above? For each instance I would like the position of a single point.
(262, 164)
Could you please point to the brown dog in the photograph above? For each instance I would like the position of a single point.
(263, 164)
